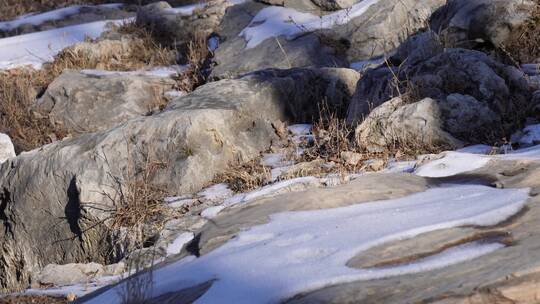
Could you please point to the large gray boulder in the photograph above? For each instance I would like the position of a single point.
(91, 101)
(458, 81)
(177, 29)
(7, 150)
(66, 185)
(468, 23)
(379, 30)
(425, 125)
(307, 50)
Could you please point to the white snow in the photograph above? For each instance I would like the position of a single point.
(302, 251)
(174, 94)
(452, 163)
(275, 160)
(275, 21)
(37, 48)
(58, 14)
(7, 150)
(176, 246)
(216, 192)
(212, 212)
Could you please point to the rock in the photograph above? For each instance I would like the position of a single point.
(196, 137)
(7, 150)
(307, 50)
(172, 28)
(383, 27)
(426, 125)
(503, 276)
(469, 23)
(69, 274)
(457, 80)
(351, 158)
(352, 41)
(91, 101)
(334, 5)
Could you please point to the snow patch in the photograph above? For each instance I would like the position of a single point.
(452, 163)
(307, 250)
(176, 246)
(161, 72)
(275, 21)
(58, 14)
(37, 48)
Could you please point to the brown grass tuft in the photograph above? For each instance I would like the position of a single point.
(245, 177)
(524, 46)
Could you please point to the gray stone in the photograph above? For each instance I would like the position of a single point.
(91, 101)
(177, 29)
(69, 274)
(468, 23)
(196, 137)
(334, 5)
(456, 79)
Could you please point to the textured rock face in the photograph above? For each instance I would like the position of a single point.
(177, 29)
(83, 102)
(305, 51)
(426, 123)
(467, 88)
(196, 136)
(7, 150)
(384, 26)
(463, 22)
(334, 5)
(69, 274)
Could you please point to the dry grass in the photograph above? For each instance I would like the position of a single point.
(20, 87)
(197, 56)
(245, 177)
(524, 47)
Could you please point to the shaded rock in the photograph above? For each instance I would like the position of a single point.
(196, 137)
(307, 50)
(173, 28)
(454, 77)
(90, 101)
(7, 150)
(469, 23)
(427, 124)
(383, 27)
(334, 5)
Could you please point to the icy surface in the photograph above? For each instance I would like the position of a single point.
(59, 14)
(300, 129)
(452, 163)
(307, 250)
(37, 48)
(277, 21)
(363, 65)
(176, 246)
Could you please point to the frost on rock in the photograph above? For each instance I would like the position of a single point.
(275, 21)
(307, 250)
(7, 150)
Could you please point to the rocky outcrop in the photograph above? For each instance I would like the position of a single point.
(175, 28)
(192, 140)
(69, 274)
(91, 101)
(489, 99)
(470, 23)
(377, 31)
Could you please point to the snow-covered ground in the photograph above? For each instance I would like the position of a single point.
(37, 48)
(307, 250)
(58, 14)
(278, 21)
